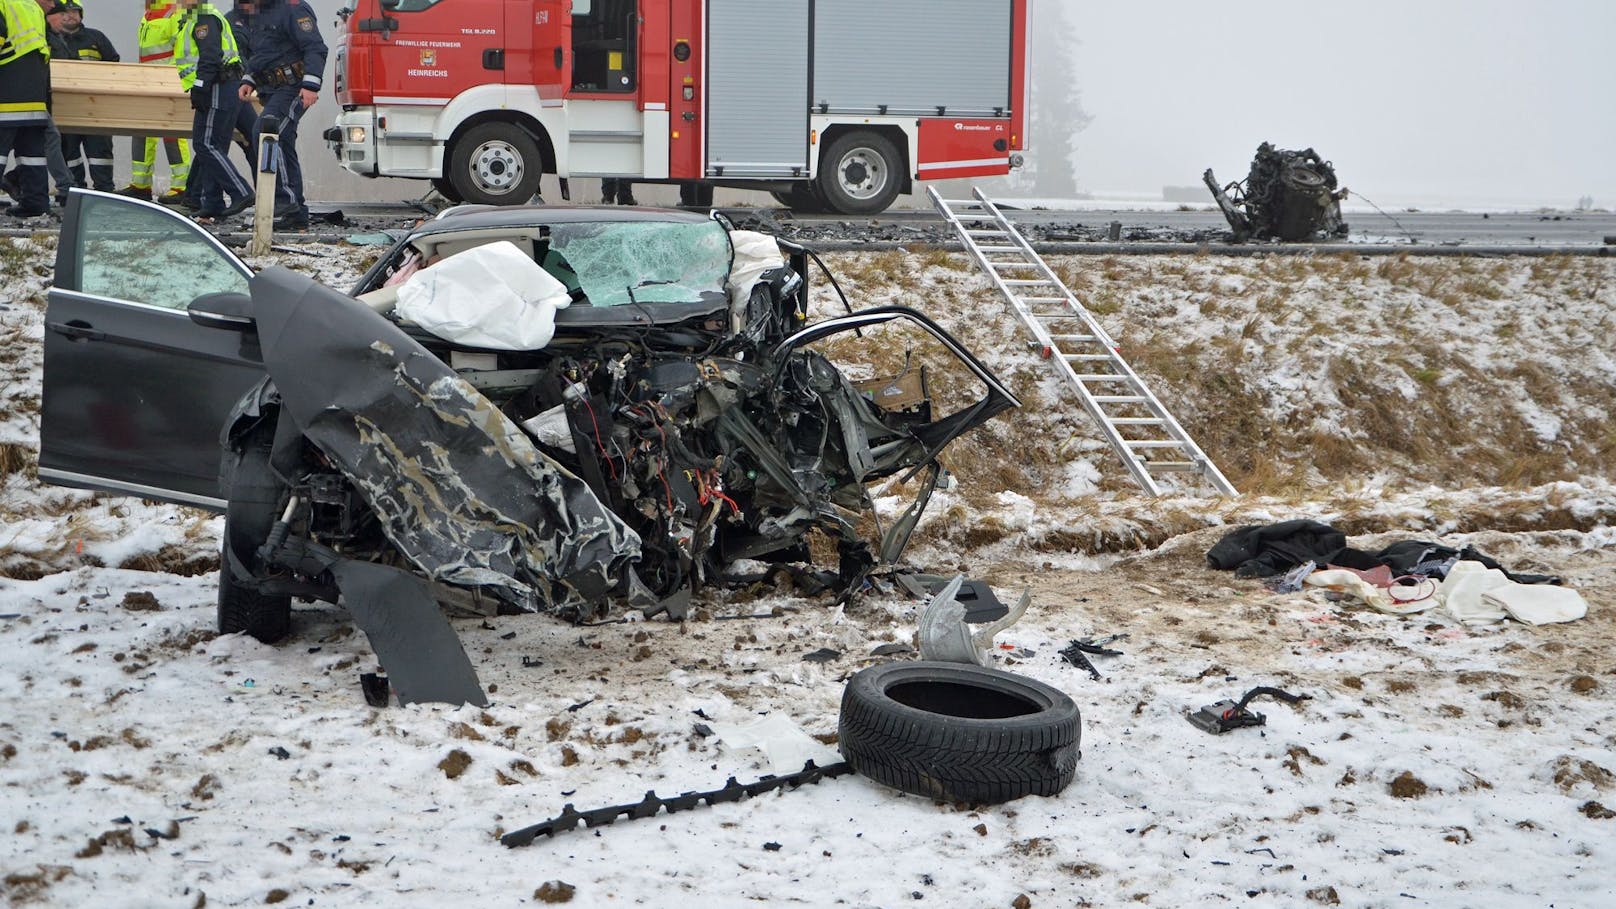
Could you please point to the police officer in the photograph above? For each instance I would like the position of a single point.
(288, 58)
(246, 114)
(210, 70)
(24, 92)
(85, 153)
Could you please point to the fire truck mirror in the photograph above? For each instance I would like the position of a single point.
(681, 51)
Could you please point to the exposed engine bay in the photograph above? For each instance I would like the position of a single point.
(632, 458)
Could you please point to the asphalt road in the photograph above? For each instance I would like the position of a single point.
(1557, 229)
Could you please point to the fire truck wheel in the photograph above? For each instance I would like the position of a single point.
(447, 190)
(860, 174)
(496, 164)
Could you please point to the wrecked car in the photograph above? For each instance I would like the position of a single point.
(1287, 195)
(515, 409)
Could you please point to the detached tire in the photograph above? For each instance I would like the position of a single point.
(959, 733)
(496, 164)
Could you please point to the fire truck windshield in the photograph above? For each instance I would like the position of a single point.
(618, 264)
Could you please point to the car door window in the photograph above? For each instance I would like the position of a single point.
(143, 254)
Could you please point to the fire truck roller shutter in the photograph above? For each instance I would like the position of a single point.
(495, 163)
(757, 88)
(953, 54)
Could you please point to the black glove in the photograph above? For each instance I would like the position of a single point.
(199, 98)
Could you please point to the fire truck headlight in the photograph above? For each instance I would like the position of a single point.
(356, 135)
(1017, 160)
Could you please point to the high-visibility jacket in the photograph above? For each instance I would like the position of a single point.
(158, 29)
(205, 45)
(24, 63)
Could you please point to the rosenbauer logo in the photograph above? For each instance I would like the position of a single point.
(977, 128)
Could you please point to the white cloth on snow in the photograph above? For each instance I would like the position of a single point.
(1537, 604)
(492, 296)
(1477, 595)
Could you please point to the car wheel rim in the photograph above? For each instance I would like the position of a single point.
(863, 173)
(496, 167)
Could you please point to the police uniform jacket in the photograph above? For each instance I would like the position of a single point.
(239, 27)
(283, 32)
(203, 24)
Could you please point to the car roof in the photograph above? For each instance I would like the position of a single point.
(474, 217)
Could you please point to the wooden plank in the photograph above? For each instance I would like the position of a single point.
(92, 97)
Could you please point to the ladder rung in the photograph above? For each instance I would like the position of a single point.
(1104, 377)
(1043, 299)
(1120, 399)
(998, 249)
(1029, 282)
(1085, 358)
(1135, 421)
(1153, 443)
(993, 264)
(1173, 466)
(985, 233)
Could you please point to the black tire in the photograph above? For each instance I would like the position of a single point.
(959, 733)
(860, 174)
(496, 164)
(802, 197)
(254, 496)
(447, 190)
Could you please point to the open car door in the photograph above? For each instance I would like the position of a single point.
(135, 391)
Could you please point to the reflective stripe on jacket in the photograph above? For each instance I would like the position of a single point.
(157, 32)
(24, 63)
(25, 30)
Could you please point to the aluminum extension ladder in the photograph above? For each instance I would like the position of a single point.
(1139, 429)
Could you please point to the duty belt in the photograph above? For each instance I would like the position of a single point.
(286, 74)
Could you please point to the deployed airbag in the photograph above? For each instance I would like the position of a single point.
(492, 296)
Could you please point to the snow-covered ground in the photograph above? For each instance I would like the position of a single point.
(145, 761)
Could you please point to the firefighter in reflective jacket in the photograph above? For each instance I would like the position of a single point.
(288, 58)
(24, 92)
(156, 39)
(92, 154)
(210, 70)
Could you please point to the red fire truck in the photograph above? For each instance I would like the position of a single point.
(829, 104)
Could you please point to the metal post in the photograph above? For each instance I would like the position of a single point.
(264, 205)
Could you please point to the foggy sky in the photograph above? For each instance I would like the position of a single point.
(1417, 102)
(1431, 102)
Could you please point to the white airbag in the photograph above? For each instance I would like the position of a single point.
(492, 296)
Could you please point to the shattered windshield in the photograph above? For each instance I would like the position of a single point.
(619, 263)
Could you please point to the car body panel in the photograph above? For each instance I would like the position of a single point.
(135, 393)
(456, 485)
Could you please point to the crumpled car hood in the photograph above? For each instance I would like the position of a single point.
(457, 487)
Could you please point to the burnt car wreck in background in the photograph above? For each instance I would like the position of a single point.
(1288, 195)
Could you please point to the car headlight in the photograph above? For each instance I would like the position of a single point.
(356, 135)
